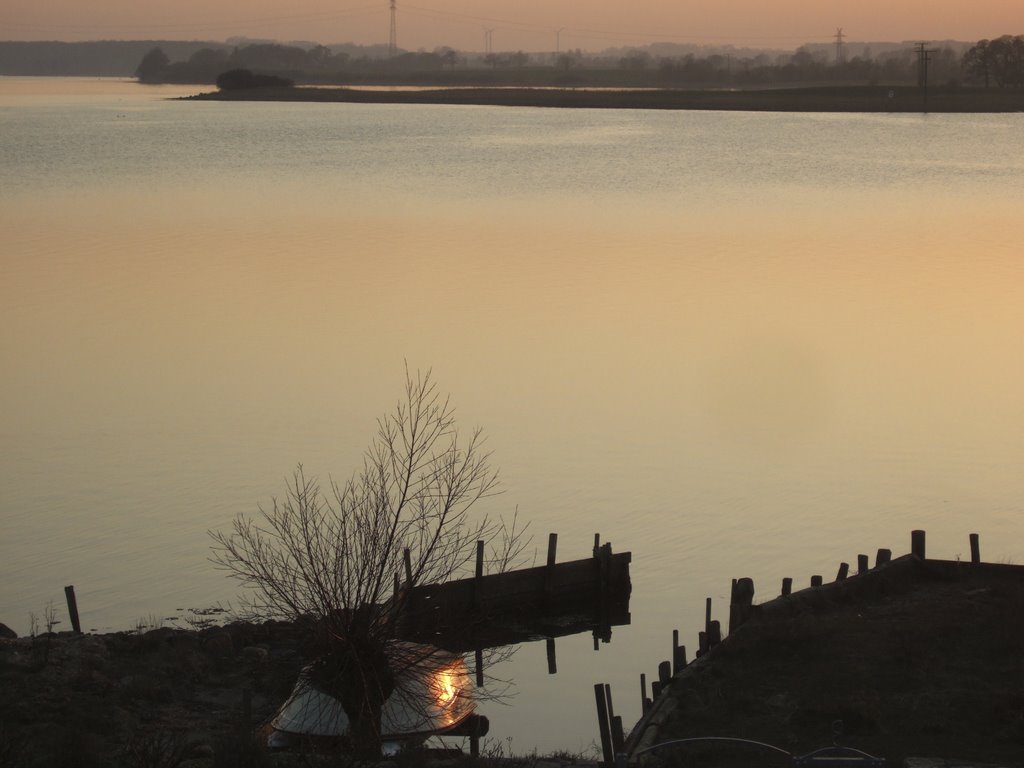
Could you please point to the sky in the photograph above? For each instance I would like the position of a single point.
(529, 25)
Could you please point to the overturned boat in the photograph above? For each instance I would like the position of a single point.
(430, 698)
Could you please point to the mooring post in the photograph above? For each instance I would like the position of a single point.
(863, 564)
(917, 544)
(664, 673)
(787, 586)
(844, 571)
(618, 735)
(675, 651)
(478, 575)
(552, 663)
(816, 581)
(679, 658)
(883, 557)
(742, 603)
(69, 594)
(975, 548)
(707, 615)
(714, 633)
(643, 688)
(603, 723)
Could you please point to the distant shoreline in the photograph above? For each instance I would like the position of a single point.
(899, 99)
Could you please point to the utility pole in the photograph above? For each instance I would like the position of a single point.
(924, 56)
(558, 39)
(488, 41)
(840, 53)
(393, 37)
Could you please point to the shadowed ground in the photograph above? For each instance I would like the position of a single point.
(916, 659)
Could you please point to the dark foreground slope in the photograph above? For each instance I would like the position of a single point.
(917, 658)
(825, 99)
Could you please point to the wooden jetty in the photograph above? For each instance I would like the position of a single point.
(547, 601)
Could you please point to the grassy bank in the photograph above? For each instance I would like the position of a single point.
(818, 99)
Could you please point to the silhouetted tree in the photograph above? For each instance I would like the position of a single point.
(336, 556)
(977, 62)
(153, 66)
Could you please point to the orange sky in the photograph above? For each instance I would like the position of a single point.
(518, 24)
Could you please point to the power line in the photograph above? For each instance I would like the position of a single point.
(393, 34)
(924, 56)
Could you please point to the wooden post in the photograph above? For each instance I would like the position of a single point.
(552, 546)
(679, 658)
(407, 557)
(975, 549)
(702, 643)
(664, 673)
(552, 663)
(608, 698)
(742, 603)
(917, 544)
(883, 557)
(675, 651)
(715, 634)
(603, 724)
(643, 688)
(707, 615)
(787, 586)
(655, 690)
(816, 581)
(597, 543)
(69, 594)
(478, 658)
(844, 571)
(618, 736)
(863, 564)
(478, 575)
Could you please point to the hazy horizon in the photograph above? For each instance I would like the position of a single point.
(529, 25)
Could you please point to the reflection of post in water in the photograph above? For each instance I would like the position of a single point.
(548, 601)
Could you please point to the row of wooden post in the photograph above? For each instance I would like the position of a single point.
(741, 607)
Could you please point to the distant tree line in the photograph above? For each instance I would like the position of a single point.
(998, 62)
(104, 58)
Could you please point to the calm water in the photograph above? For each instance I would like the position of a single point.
(734, 344)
